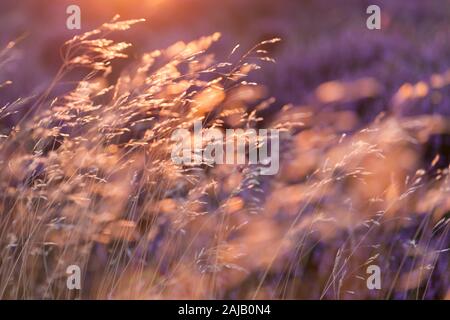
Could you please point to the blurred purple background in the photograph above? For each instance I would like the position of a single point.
(322, 41)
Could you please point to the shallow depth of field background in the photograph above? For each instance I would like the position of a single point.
(363, 179)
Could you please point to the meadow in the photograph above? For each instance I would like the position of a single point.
(87, 178)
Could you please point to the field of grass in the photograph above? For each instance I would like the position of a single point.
(87, 179)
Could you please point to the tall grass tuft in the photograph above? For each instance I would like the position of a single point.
(86, 179)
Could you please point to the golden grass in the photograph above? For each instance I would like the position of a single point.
(87, 179)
